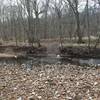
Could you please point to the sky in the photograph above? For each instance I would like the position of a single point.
(81, 5)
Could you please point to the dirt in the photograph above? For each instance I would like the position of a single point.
(7, 55)
(80, 52)
(11, 50)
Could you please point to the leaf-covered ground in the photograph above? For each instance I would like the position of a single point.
(50, 82)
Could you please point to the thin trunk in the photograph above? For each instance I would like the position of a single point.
(88, 25)
(45, 26)
(30, 37)
(60, 31)
(78, 30)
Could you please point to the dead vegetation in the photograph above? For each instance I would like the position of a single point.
(50, 82)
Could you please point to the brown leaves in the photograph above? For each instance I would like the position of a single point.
(52, 82)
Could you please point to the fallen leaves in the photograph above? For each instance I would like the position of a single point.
(50, 82)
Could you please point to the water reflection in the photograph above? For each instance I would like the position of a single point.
(30, 62)
(90, 61)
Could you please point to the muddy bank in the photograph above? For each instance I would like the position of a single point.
(23, 50)
(79, 52)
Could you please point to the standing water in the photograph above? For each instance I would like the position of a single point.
(90, 61)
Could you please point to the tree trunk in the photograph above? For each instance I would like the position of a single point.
(78, 30)
(45, 26)
(30, 36)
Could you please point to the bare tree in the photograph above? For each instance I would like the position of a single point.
(58, 7)
(74, 5)
(88, 23)
(30, 32)
(36, 19)
(37, 12)
(46, 8)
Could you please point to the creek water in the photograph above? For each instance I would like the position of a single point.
(50, 59)
(90, 61)
(30, 61)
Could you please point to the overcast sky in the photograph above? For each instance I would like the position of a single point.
(81, 5)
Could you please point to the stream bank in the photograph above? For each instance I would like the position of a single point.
(79, 52)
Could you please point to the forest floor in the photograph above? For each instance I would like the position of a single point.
(50, 82)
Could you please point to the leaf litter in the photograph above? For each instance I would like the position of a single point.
(50, 82)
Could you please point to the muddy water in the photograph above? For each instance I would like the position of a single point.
(90, 61)
(50, 59)
(30, 61)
